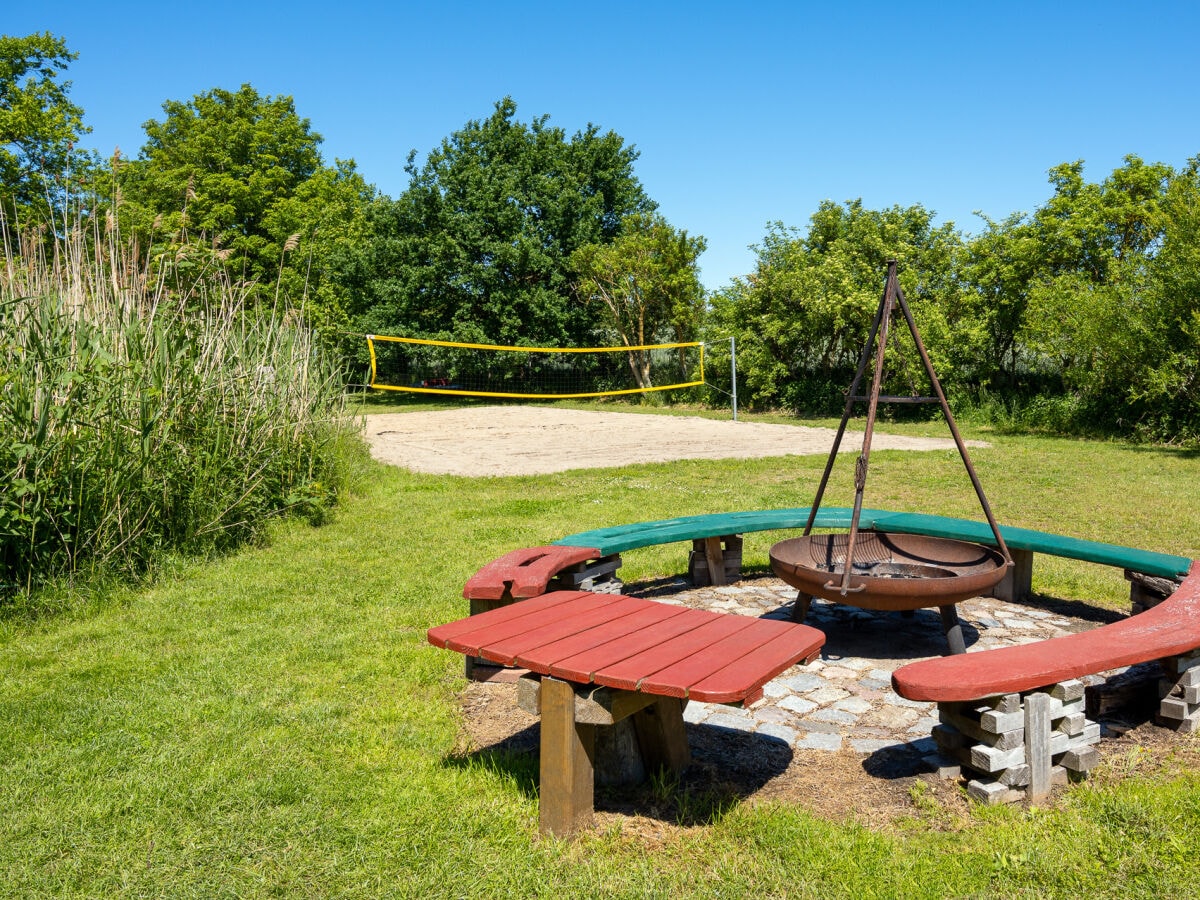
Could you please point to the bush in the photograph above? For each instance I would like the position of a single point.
(137, 421)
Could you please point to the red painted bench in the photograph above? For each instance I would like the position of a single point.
(524, 573)
(1169, 629)
(604, 657)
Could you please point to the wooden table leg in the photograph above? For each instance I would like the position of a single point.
(953, 629)
(566, 763)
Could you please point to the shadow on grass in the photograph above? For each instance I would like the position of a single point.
(728, 765)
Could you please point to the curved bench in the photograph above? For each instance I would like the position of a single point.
(618, 539)
(1170, 629)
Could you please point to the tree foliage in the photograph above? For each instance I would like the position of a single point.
(479, 245)
(39, 125)
(216, 165)
(802, 317)
(646, 283)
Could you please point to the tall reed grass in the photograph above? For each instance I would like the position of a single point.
(145, 409)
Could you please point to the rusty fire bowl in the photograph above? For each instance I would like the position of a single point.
(890, 571)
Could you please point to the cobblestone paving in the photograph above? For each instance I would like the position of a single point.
(844, 699)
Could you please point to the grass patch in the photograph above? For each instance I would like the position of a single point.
(274, 723)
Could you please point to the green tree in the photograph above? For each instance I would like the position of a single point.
(39, 125)
(316, 237)
(214, 168)
(1062, 294)
(478, 247)
(802, 317)
(647, 284)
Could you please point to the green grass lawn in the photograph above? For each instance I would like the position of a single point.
(274, 723)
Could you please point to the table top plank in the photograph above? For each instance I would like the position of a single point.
(582, 662)
(492, 631)
(528, 642)
(441, 635)
(675, 679)
(570, 658)
(628, 673)
(746, 675)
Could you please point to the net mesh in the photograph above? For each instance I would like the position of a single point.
(486, 370)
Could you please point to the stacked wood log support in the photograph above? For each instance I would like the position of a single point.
(721, 555)
(595, 575)
(1017, 746)
(1147, 591)
(1180, 693)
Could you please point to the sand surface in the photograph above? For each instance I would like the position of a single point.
(531, 440)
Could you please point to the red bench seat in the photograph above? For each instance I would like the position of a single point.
(1171, 628)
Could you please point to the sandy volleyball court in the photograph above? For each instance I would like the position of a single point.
(532, 440)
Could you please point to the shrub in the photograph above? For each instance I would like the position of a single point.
(137, 420)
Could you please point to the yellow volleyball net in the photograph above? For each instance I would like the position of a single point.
(547, 373)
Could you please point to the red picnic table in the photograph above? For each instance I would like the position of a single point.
(607, 656)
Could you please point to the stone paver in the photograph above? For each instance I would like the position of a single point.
(845, 697)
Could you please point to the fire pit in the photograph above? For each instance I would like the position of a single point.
(889, 571)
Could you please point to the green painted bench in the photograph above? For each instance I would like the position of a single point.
(1023, 543)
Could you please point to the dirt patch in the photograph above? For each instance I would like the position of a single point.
(531, 440)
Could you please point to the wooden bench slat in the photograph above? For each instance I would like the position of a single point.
(711, 628)
(675, 679)
(610, 643)
(644, 534)
(441, 635)
(528, 643)
(663, 633)
(582, 662)
(745, 676)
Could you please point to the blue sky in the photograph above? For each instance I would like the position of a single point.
(744, 114)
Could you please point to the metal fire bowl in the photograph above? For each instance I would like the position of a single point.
(891, 571)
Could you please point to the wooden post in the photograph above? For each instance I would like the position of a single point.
(566, 764)
(1037, 744)
(1017, 583)
(715, 557)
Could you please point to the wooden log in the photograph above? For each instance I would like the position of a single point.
(618, 755)
(1067, 690)
(1176, 709)
(593, 705)
(989, 759)
(1080, 760)
(1003, 740)
(1071, 725)
(993, 793)
(1037, 744)
(942, 766)
(662, 736)
(566, 773)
